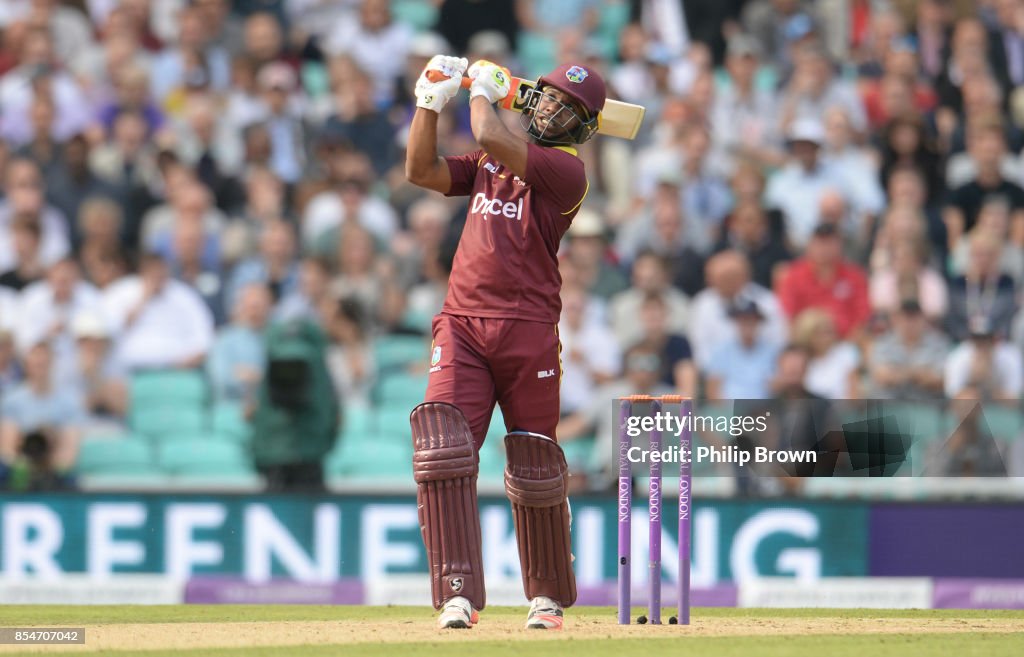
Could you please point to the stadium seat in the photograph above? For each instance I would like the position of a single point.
(496, 429)
(115, 455)
(537, 53)
(1004, 422)
(401, 391)
(358, 423)
(417, 320)
(420, 15)
(228, 422)
(169, 388)
(203, 457)
(579, 454)
(614, 16)
(392, 420)
(161, 420)
(492, 462)
(370, 459)
(396, 353)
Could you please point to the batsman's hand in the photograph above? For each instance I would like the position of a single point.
(489, 80)
(435, 95)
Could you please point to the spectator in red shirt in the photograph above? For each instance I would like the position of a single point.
(823, 279)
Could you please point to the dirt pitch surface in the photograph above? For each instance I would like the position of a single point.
(198, 630)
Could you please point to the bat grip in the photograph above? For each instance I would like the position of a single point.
(437, 76)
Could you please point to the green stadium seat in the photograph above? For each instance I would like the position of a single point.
(492, 462)
(169, 388)
(398, 352)
(227, 421)
(236, 481)
(370, 459)
(1004, 422)
(579, 452)
(115, 455)
(393, 420)
(496, 431)
(418, 320)
(415, 13)
(203, 457)
(358, 422)
(537, 54)
(159, 420)
(614, 16)
(401, 391)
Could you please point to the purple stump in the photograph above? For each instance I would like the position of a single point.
(654, 513)
(685, 448)
(624, 511)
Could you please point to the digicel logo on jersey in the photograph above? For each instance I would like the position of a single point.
(495, 206)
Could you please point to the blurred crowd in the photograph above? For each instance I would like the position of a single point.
(825, 198)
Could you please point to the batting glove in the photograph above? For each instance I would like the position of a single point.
(433, 95)
(489, 80)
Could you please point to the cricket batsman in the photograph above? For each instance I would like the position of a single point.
(496, 338)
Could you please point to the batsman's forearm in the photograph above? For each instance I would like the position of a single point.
(485, 122)
(421, 150)
(496, 140)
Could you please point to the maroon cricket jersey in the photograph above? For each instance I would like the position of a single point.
(506, 265)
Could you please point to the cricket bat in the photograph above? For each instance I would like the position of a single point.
(617, 119)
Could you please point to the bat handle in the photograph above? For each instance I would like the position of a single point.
(436, 76)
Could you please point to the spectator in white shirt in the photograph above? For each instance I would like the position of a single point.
(348, 198)
(47, 308)
(24, 197)
(797, 188)
(814, 88)
(72, 33)
(40, 419)
(375, 41)
(650, 275)
(162, 323)
(728, 277)
(834, 366)
(34, 75)
(188, 201)
(590, 354)
(984, 367)
(857, 166)
(743, 118)
(236, 360)
(96, 376)
(193, 52)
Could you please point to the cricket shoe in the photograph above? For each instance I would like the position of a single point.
(545, 614)
(458, 613)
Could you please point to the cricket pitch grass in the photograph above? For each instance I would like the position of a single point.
(303, 631)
